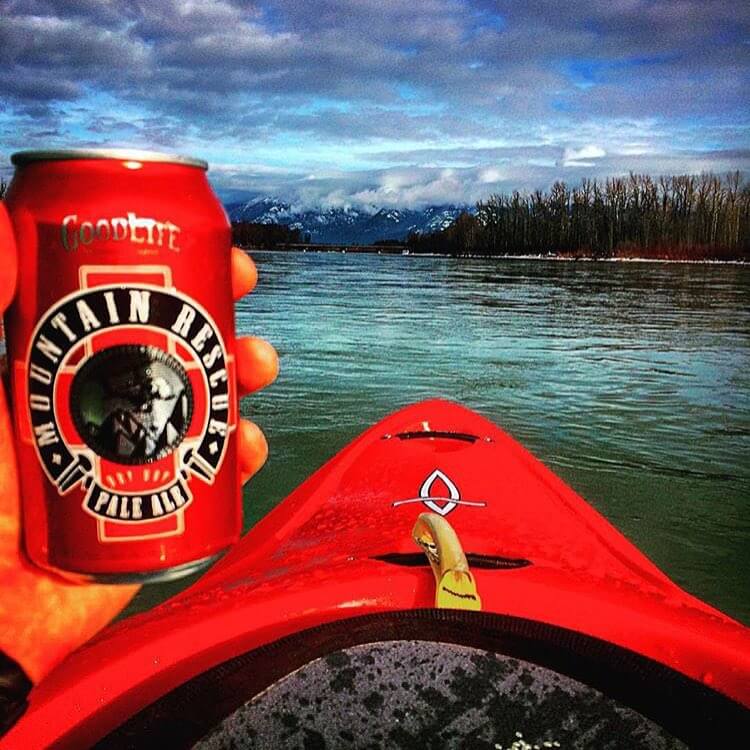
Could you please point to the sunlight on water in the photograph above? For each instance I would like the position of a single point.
(631, 381)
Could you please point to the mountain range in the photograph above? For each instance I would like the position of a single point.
(346, 225)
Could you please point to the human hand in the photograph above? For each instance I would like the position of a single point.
(42, 616)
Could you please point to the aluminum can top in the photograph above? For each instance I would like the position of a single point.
(21, 158)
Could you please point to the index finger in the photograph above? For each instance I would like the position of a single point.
(244, 273)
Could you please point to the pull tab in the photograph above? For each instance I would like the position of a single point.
(455, 585)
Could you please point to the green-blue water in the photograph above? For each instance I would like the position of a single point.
(630, 380)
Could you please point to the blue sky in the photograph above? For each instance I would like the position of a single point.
(384, 102)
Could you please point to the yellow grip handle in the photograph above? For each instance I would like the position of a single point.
(455, 585)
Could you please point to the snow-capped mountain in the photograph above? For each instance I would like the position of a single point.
(346, 225)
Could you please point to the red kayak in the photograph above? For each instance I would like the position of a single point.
(519, 618)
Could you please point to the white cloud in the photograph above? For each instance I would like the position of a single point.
(490, 175)
(582, 157)
(420, 186)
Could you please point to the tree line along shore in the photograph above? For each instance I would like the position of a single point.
(681, 217)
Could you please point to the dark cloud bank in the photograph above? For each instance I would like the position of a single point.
(383, 101)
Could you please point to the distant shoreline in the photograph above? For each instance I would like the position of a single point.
(404, 251)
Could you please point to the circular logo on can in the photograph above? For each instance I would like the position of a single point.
(129, 396)
(131, 404)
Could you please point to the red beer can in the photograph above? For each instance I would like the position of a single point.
(121, 355)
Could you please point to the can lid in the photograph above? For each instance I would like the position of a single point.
(120, 154)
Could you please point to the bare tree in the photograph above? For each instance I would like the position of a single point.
(677, 216)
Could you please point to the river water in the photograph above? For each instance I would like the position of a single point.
(629, 380)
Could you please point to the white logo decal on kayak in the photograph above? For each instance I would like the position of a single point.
(440, 503)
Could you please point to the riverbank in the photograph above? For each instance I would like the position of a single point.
(402, 250)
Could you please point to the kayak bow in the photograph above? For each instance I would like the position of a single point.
(334, 570)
